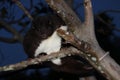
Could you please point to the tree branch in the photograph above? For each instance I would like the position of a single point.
(70, 3)
(16, 35)
(85, 31)
(108, 24)
(66, 13)
(21, 65)
(83, 38)
(112, 11)
(23, 8)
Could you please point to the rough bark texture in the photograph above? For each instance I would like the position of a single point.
(82, 37)
(70, 3)
(38, 60)
(85, 31)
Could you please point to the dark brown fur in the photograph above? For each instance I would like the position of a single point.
(42, 28)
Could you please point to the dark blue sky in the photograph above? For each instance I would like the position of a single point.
(12, 53)
(103, 5)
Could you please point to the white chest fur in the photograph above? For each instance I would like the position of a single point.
(52, 44)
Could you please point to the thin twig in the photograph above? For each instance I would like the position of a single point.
(16, 35)
(23, 8)
(110, 25)
(38, 60)
(112, 11)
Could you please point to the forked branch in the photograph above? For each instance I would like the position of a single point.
(23, 8)
(85, 31)
(82, 37)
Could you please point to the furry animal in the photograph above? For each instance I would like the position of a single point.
(43, 39)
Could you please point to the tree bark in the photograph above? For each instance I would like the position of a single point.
(85, 31)
(83, 38)
(70, 3)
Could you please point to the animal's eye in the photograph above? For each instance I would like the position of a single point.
(42, 54)
(43, 35)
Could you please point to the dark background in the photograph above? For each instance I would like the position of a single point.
(108, 36)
